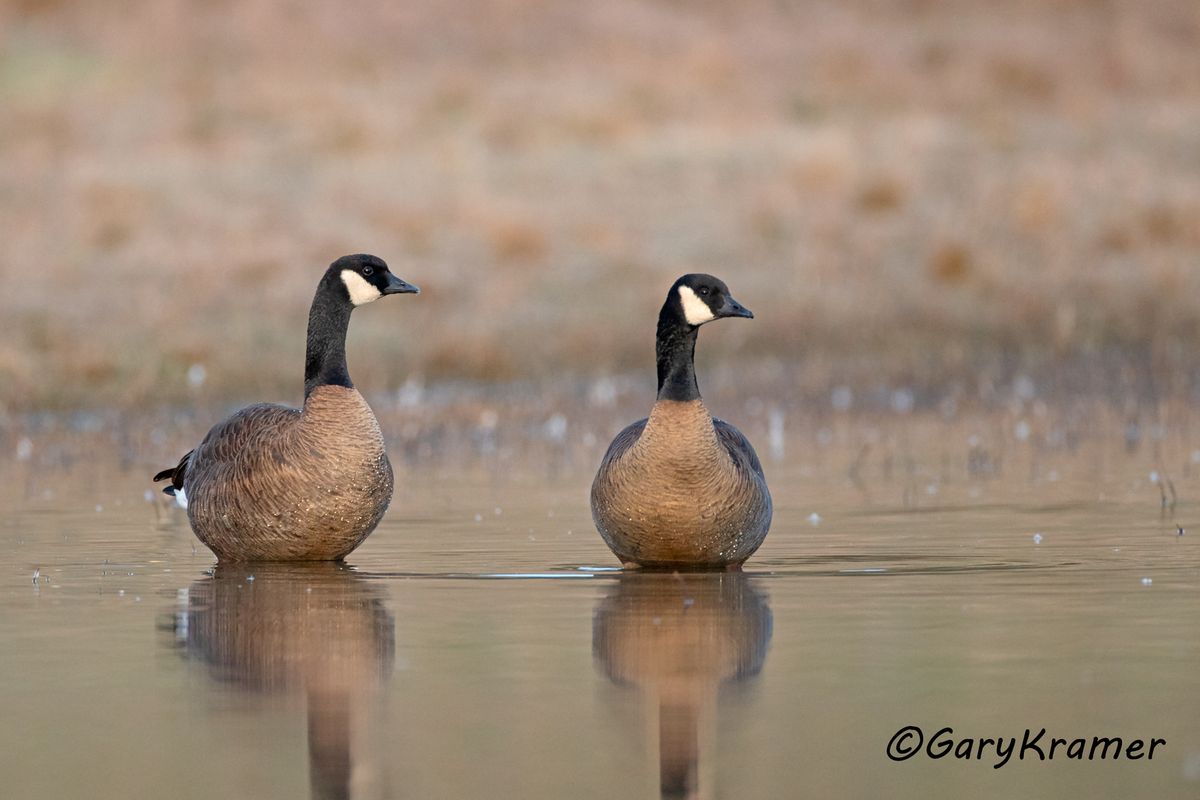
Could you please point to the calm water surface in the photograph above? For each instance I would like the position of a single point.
(482, 645)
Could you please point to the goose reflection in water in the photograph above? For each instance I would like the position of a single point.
(678, 638)
(316, 631)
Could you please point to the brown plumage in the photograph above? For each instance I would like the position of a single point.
(273, 483)
(681, 489)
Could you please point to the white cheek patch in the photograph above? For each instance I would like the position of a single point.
(361, 292)
(695, 310)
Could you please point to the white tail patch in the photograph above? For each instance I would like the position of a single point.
(361, 292)
(181, 498)
(695, 310)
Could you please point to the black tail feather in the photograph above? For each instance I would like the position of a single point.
(175, 473)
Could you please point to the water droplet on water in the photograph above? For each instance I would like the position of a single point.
(775, 438)
(411, 393)
(603, 393)
(555, 428)
(842, 397)
(196, 375)
(903, 401)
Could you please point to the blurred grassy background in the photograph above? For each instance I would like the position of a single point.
(928, 194)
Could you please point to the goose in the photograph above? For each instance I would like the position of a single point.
(681, 489)
(273, 483)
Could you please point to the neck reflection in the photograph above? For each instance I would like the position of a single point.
(316, 631)
(679, 638)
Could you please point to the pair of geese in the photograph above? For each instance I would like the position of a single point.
(678, 489)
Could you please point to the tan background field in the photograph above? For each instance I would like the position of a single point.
(929, 197)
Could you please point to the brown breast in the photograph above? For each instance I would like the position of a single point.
(670, 493)
(276, 484)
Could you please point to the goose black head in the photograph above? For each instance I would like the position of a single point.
(702, 298)
(366, 279)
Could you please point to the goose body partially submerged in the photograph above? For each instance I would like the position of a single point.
(272, 483)
(680, 489)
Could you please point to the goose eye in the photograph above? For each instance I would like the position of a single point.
(704, 291)
(368, 271)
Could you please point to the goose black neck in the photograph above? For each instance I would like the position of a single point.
(328, 319)
(676, 350)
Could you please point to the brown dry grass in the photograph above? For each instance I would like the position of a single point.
(921, 192)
